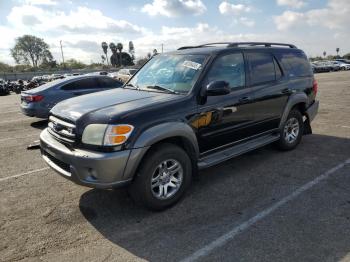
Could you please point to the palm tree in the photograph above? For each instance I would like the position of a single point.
(337, 50)
(120, 48)
(105, 49)
(132, 50)
(324, 54)
(103, 59)
(113, 48)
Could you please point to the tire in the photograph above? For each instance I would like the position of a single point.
(291, 131)
(149, 173)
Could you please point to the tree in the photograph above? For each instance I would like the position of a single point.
(337, 50)
(149, 55)
(105, 50)
(114, 56)
(120, 48)
(324, 53)
(103, 58)
(74, 64)
(132, 50)
(31, 49)
(5, 67)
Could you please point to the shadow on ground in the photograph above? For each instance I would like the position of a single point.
(223, 196)
(41, 124)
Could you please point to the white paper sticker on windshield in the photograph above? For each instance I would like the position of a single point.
(191, 64)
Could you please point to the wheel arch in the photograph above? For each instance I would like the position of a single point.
(177, 133)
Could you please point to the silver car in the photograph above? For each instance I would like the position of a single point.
(39, 101)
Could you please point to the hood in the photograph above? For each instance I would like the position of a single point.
(108, 103)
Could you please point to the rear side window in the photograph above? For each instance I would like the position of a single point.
(106, 82)
(229, 68)
(262, 68)
(88, 83)
(296, 63)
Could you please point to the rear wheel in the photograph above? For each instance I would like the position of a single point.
(162, 178)
(291, 131)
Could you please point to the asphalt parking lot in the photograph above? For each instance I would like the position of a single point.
(266, 205)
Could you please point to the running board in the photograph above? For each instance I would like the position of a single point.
(236, 150)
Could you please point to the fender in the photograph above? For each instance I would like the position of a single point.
(292, 101)
(155, 134)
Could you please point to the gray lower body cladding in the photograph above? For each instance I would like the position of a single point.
(90, 168)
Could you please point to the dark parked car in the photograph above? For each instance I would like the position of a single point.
(181, 112)
(39, 101)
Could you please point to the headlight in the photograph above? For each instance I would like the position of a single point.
(106, 135)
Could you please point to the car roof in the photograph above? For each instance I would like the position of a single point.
(216, 48)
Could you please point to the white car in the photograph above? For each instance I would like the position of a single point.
(342, 65)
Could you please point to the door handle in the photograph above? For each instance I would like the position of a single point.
(245, 99)
(287, 91)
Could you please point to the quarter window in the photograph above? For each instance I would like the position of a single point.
(229, 68)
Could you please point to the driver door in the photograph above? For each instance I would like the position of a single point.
(226, 119)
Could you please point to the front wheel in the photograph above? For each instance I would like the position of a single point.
(162, 178)
(291, 131)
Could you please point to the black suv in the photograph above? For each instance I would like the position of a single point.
(183, 111)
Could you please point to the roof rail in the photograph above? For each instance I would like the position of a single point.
(266, 44)
(237, 44)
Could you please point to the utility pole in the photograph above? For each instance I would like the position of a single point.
(64, 66)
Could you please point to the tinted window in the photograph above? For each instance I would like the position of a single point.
(88, 83)
(296, 63)
(262, 68)
(229, 68)
(106, 82)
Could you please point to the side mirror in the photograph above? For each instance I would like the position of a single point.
(218, 88)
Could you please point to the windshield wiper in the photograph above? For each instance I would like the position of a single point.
(161, 88)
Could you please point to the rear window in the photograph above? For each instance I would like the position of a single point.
(106, 82)
(296, 63)
(88, 83)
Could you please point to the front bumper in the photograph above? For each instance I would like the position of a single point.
(84, 167)
(312, 111)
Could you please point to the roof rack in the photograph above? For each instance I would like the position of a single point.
(237, 44)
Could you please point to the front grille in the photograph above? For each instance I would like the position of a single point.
(57, 162)
(62, 130)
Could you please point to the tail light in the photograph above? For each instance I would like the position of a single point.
(315, 86)
(33, 98)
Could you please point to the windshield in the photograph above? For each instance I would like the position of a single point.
(176, 73)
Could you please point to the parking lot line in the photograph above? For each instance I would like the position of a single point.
(23, 174)
(15, 120)
(222, 240)
(11, 138)
(8, 112)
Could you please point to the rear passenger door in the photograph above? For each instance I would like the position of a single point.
(270, 90)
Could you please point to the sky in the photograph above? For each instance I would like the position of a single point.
(313, 25)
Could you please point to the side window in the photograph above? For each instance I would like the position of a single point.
(105, 82)
(262, 68)
(229, 68)
(88, 83)
(296, 63)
